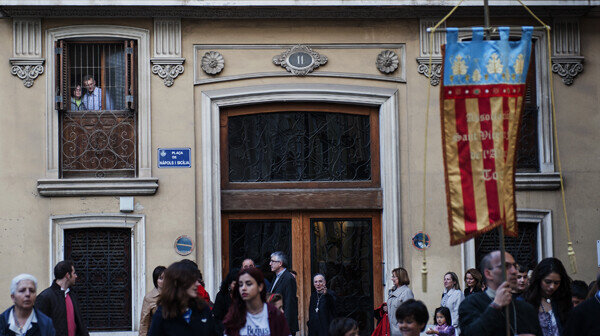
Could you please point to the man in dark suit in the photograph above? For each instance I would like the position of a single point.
(285, 284)
(60, 303)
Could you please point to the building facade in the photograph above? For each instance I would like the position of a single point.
(134, 133)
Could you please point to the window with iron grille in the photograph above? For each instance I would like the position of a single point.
(102, 258)
(96, 100)
(523, 247)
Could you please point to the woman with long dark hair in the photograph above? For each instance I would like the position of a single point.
(223, 298)
(180, 311)
(249, 313)
(550, 293)
(473, 282)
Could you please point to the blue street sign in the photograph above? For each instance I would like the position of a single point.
(174, 158)
(184, 245)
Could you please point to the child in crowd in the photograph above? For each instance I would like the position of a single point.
(443, 319)
(412, 317)
(343, 326)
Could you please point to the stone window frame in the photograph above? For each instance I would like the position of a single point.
(137, 224)
(541, 217)
(386, 99)
(144, 184)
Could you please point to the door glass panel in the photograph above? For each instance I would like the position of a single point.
(342, 250)
(299, 147)
(257, 239)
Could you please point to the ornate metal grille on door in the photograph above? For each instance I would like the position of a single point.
(299, 146)
(342, 250)
(102, 258)
(257, 239)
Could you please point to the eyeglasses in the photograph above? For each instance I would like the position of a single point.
(274, 261)
(508, 265)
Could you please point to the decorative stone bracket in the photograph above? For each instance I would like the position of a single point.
(567, 61)
(435, 50)
(27, 69)
(167, 62)
(27, 62)
(167, 68)
(436, 69)
(567, 68)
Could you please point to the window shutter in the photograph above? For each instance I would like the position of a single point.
(61, 83)
(130, 74)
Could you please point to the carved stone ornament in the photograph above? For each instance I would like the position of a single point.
(567, 68)
(300, 60)
(436, 69)
(212, 62)
(387, 61)
(27, 69)
(168, 69)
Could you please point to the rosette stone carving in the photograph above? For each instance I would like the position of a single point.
(387, 61)
(212, 62)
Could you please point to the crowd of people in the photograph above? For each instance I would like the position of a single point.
(541, 302)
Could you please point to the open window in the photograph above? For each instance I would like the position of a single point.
(96, 100)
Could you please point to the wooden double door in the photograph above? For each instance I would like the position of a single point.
(345, 246)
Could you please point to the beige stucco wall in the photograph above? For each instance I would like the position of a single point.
(176, 207)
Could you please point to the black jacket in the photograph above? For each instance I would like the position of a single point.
(318, 321)
(43, 327)
(201, 323)
(477, 318)
(583, 319)
(52, 303)
(286, 286)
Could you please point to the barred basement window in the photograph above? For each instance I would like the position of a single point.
(96, 100)
(102, 258)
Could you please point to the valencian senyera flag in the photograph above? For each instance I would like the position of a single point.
(481, 103)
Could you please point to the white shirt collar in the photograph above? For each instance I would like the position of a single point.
(280, 272)
(12, 325)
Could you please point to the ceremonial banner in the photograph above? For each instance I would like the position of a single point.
(481, 103)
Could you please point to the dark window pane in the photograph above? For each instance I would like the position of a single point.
(523, 248)
(257, 239)
(527, 148)
(299, 146)
(102, 260)
(98, 144)
(341, 249)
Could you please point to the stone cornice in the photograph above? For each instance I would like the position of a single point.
(238, 10)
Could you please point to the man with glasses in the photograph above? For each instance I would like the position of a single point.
(483, 313)
(285, 284)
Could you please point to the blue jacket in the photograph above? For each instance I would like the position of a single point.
(43, 327)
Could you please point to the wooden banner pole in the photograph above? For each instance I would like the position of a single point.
(486, 21)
